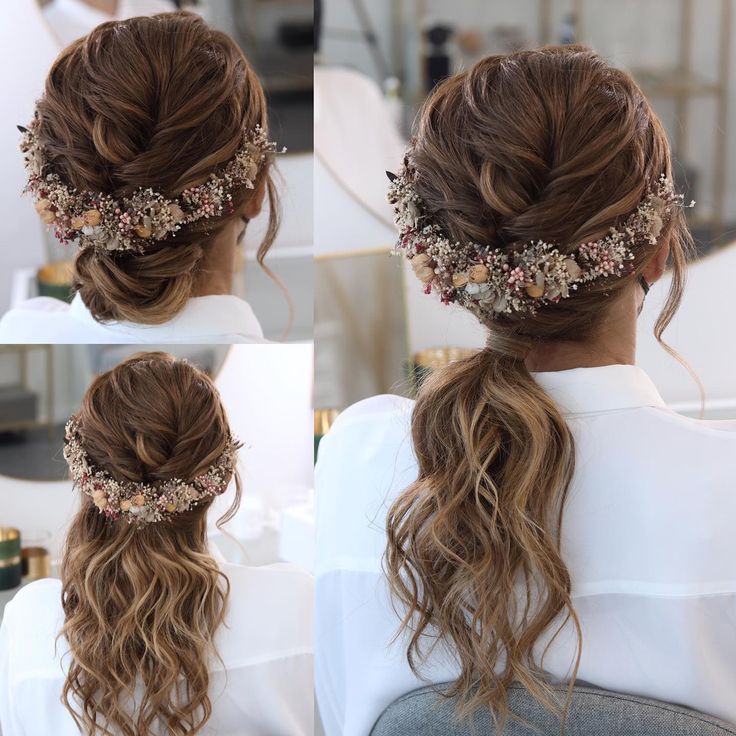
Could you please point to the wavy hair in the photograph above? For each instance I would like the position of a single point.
(552, 144)
(158, 102)
(142, 605)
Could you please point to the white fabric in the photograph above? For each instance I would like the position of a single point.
(648, 536)
(72, 19)
(214, 319)
(266, 644)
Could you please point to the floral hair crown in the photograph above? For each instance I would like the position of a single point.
(144, 503)
(100, 221)
(491, 282)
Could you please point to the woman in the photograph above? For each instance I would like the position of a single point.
(146, 632)
(148, 154)
(542, 513)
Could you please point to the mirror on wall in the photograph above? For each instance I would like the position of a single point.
(42, 385)
(680, 54)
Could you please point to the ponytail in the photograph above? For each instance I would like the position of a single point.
(474, 543)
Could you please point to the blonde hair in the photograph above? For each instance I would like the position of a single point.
(552, 144)
(142, 605)
(158, 102)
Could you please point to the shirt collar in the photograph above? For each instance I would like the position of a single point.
(605, 388)
(203, 316)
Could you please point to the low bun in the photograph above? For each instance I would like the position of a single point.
(157, 102)
(151, 288)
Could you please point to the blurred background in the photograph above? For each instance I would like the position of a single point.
(276, 36)
(375, 331)
(267, 393)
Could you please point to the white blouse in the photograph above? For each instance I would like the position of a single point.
(218, 318)
(648, 536)
(266, 686)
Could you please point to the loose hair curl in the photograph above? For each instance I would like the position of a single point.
(552, 144)
(156, 102)
(142, 605)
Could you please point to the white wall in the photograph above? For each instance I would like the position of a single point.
(27, 50)
(267, 392)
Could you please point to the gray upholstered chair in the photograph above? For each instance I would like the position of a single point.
(593, 712)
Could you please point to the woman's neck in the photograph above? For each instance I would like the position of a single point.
(613, 343)
(561, 356)
(218, 264)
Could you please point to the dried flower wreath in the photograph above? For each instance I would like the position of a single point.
(491, 282)
(101, 221)
(144, 503)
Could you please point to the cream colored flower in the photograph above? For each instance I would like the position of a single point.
(478, 274)
(573, 269)
(425, 273)
(176, 212)
(92, 217)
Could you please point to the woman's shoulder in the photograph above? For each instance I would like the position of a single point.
(386, 415)
(277, 580)
(40, 304)
(32, 620)
(376, 408)
(364, 462)
(33, 320)
(33, 594)
(269, 613)
(367, 436)
(220, 319)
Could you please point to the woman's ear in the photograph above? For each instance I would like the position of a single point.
(655, 268)
(252, 208)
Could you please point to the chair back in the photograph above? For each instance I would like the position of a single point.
(593, 712)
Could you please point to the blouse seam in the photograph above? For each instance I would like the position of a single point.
(723, 588)
(306, 652)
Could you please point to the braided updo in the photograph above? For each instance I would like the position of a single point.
(553, 144)
(156, 102)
